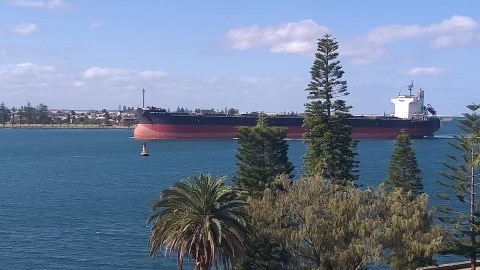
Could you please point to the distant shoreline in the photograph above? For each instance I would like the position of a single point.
(62, 126)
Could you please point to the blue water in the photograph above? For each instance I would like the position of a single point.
(79, 199)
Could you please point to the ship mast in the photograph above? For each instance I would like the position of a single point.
(410, 88)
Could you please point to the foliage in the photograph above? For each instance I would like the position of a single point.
(314, 221)
(403, 171)
(202, 218)
(410, 239)
(41, 114)
(4, 113)
(404, 180)
(330, 148)
(324, 225)
(263, 253)
(461, 176)
(262, 156)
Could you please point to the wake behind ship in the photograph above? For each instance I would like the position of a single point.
(411, 115)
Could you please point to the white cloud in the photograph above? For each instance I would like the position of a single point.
(62, 88)
(99, 74)
(454, 26)
(56, 4)
(424, 71)
(297, 37)
(455, 31)
(301, 37)
(45, 4)
(152, 74)
(27, 76)
(78, 83)
(29, 68)
(96, 25)
(25, 29)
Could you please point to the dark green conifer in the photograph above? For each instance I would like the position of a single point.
(403, 171)
(4, 114)
(262, 156)
(461, 175)
(262, 253)
(330, 148)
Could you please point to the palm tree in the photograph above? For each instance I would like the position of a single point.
(199, 217)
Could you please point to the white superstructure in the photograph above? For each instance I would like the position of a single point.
(410, 106)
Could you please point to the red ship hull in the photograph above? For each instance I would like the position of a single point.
(185, 132)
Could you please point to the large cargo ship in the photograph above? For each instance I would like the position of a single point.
(410, 114)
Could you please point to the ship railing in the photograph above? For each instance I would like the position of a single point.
(420, 117)
(373, 116)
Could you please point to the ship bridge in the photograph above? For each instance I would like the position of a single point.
(409, 106)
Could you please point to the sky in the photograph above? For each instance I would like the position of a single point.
(249, 55)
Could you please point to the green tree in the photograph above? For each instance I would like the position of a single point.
(262, 156)
(321, 224)
(4, 114)
(404, 177)
(329, 226)
(263, 253)
(106, 117)
(403, 171)
(42, 114)
(461, 175)
(330, 148)
(28, 113)
(409, 238)
(202, 218)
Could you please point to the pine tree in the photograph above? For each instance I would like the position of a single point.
(263, 252)
(330, 148)
(4, 114)
(461, 174)
(262, 156)
(403, 171)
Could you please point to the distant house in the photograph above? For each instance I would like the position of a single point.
(128, 120)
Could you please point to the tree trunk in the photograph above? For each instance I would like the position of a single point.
(473, 231)
(201, 265)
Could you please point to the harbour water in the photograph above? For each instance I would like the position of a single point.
(79, 199)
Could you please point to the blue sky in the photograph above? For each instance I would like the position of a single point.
(250, 55)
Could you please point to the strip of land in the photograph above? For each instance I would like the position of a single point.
(65, 126)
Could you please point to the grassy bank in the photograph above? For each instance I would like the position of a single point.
(80, 126)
